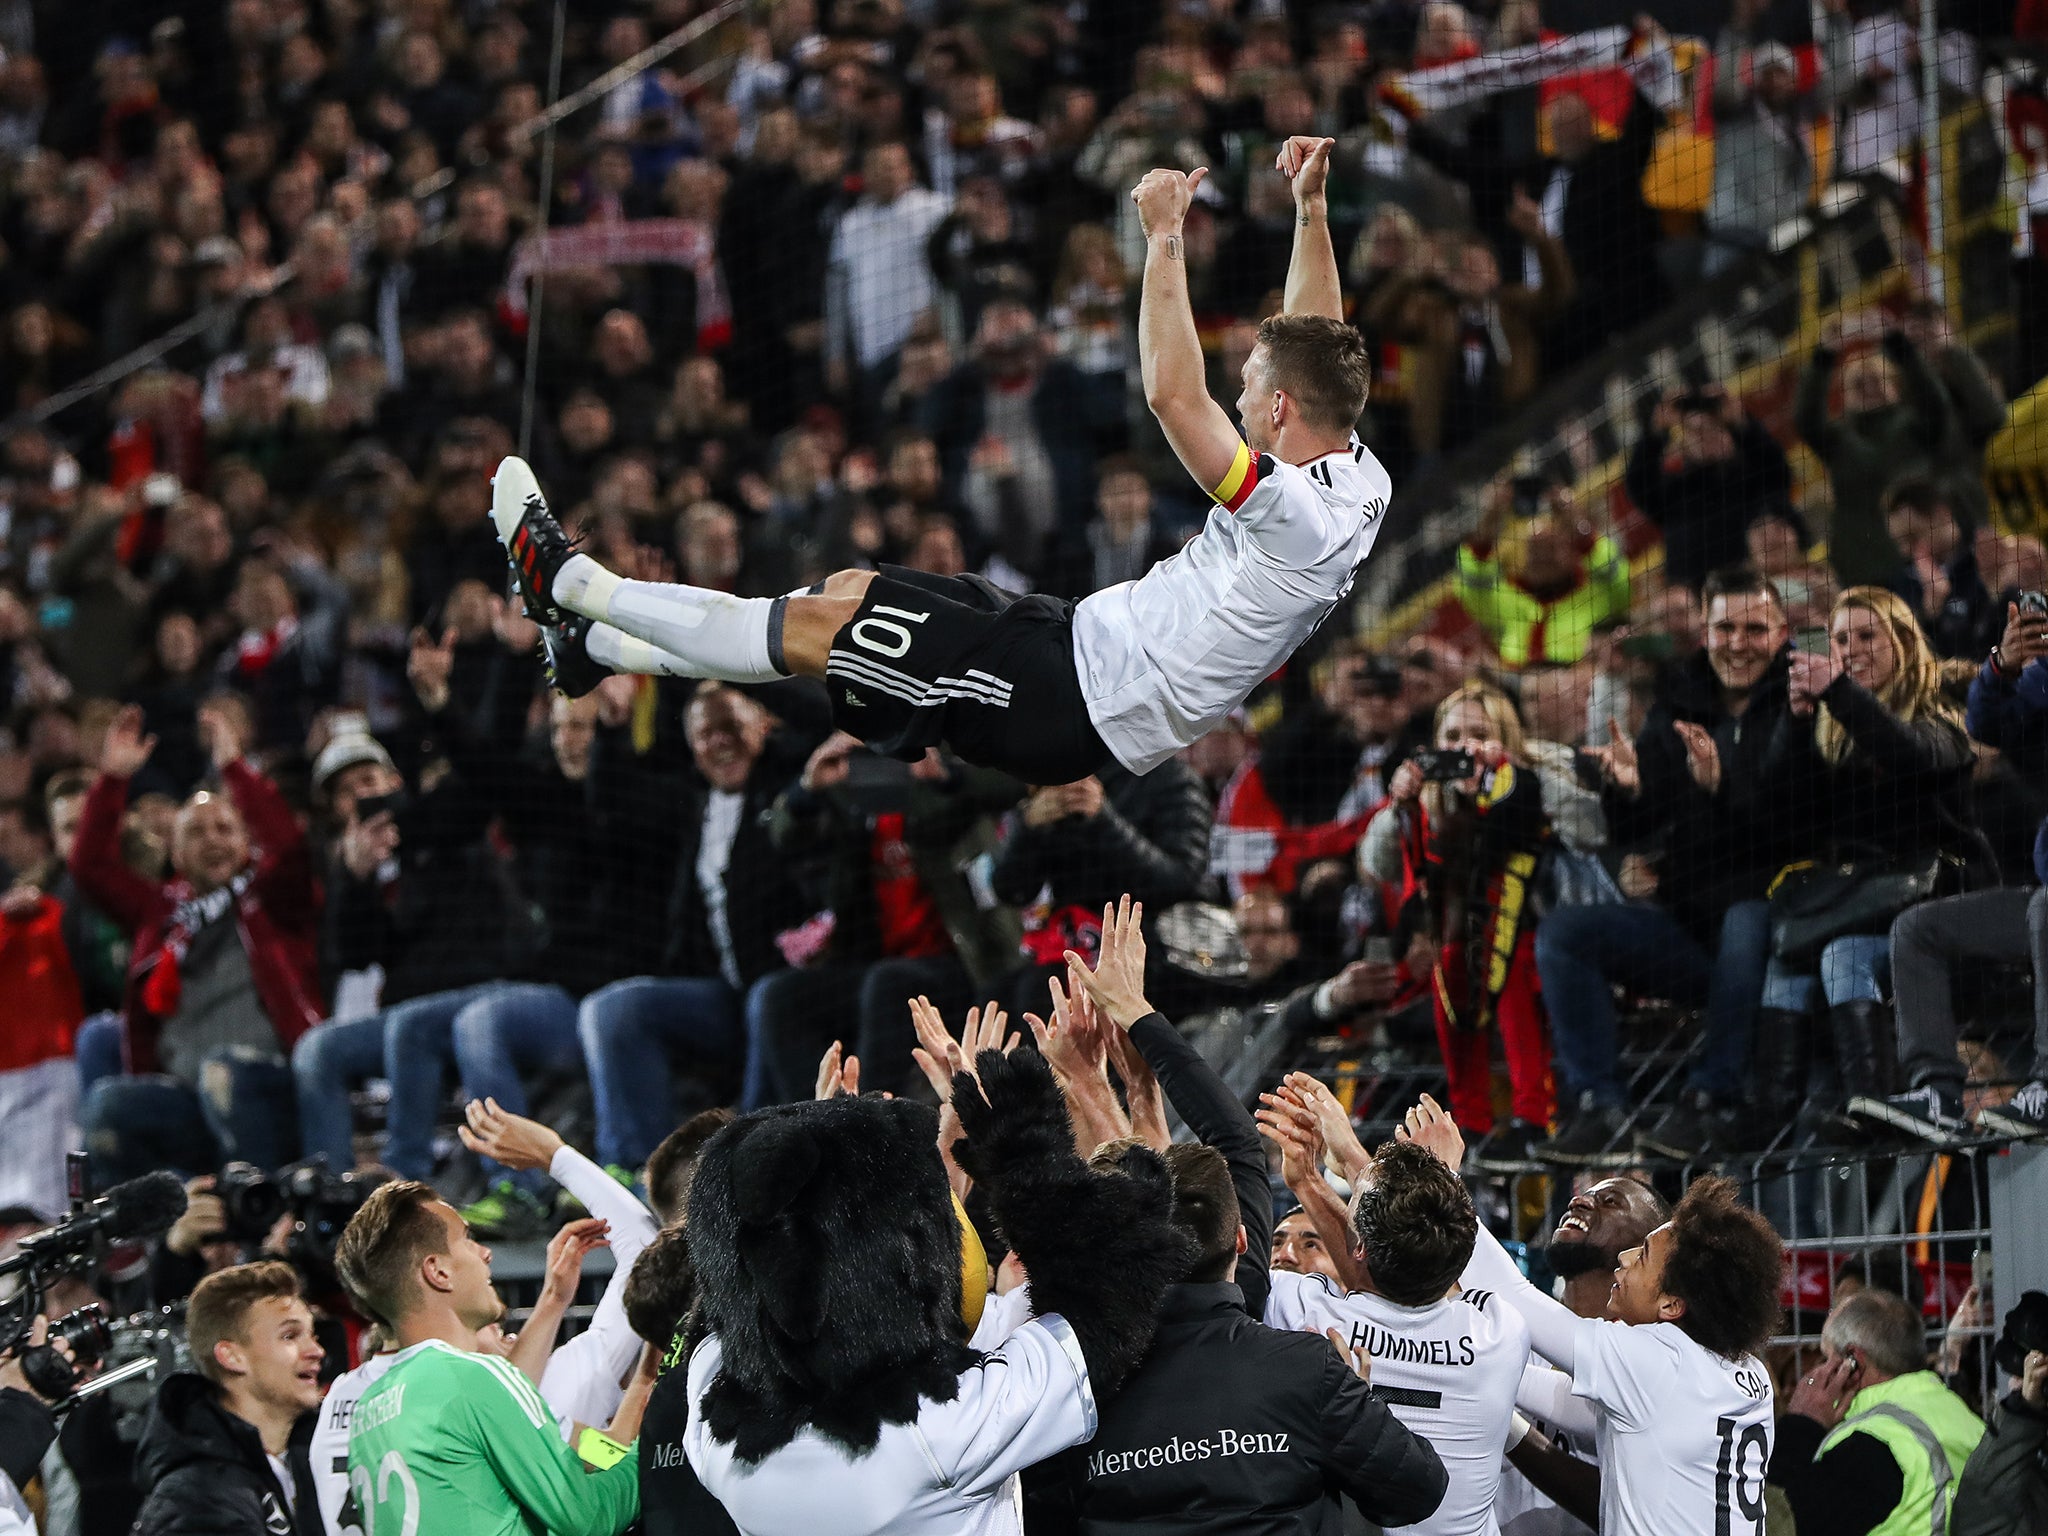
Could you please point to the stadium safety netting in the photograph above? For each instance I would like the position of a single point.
(1663, 797)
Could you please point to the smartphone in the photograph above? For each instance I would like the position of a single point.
(2032, 604)
(377, 805)
(1527, 491)
(1380, 951)
(1811, 641)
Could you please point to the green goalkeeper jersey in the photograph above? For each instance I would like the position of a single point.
(450, 1443)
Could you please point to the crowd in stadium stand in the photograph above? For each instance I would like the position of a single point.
(285, 807)
(1730, 754)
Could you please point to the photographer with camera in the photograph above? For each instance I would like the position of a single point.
(1462, 838)
(225, 1448)
(27, 1423)
(2003, 1489)
(1703, 471)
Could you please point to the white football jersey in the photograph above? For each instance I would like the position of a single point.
(1448, 1371)
(328, 1451)
(952, 1471)
(1521, 1509)
(1684, 1436)
(1163, 659)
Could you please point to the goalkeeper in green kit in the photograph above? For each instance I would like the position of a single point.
(453, 1440)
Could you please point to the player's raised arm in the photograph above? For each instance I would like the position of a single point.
(1313, 287)
(1169, 350)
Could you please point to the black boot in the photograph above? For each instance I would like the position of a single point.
(1779, 1062)
(1866, 1049)
(1866, 1064)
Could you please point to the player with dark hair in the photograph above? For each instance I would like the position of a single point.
(1447, 1365)
(1034, 686)
(671, 1163)
(1682, 1403)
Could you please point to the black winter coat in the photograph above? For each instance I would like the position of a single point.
(762, 895)
(1727, 847)
(1151, 840)
(204, 1472)
(1233, 1426)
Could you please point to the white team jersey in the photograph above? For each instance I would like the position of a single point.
(951, 1472)
(1448, 1371)
(1163, 659)
(1684, 1436)
(328, 1452)
(1522, 1510)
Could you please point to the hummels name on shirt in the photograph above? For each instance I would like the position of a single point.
(1225, 1442)
(1382, 1345)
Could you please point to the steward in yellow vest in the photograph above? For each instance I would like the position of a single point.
(1873, 1442)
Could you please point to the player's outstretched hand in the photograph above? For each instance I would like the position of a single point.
(1431, 1125)
(1163, 198)
(1345, 1149)
(1115, 984)
(504, 1137)
(566, 1252)
(1305, 161)
(837, 1076)
(1292, 1127)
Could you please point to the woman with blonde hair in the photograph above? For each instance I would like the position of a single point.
(1886, 764)
(1463, 839)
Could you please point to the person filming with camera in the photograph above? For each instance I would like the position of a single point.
(1463, 837)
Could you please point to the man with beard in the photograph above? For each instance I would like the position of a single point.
(1551, 1486)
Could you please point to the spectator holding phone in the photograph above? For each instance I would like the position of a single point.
(1886, 766)
(1871, 1440)
(2008, 710)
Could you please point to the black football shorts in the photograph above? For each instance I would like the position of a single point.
(957, 661)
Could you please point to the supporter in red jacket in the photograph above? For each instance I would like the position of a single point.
(38, 1082)
(222, 979)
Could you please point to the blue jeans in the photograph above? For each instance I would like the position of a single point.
(520, 1028)
(1854, 969)
(409, 1044)
(1582, 951)
(794, 1015)
(629, 1031)
(97, 1049)
(240, 1110)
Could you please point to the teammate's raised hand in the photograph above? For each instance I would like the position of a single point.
(514, 1140)
(1115, 984)
(1163, 197)
(1430, 1125)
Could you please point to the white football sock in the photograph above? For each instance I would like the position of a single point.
(621, 652)
(712, 634)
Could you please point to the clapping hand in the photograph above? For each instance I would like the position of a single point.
(1702, 756)
(940, 1057)
(1619, 765)
(1072, 1040)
